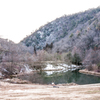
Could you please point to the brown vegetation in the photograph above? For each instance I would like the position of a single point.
(47, 92)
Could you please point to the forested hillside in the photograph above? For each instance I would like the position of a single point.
(76, 34)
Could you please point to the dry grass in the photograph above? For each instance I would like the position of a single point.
(10, 91)
(93, 91)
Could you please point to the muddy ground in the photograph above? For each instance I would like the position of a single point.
(9, 91)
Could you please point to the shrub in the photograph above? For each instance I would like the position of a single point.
(98, 67)
(69, 56)
(98, 26)
(95, 67)
(71, 35)
(76, 59)
(79, 34)
(89, 68)
(92, 67)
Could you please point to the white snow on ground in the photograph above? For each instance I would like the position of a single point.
(41, 33)
(26, 69)
(59, 68)
(49, 67)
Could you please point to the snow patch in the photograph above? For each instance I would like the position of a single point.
(26, 69)
(61, 67)
(41, 33)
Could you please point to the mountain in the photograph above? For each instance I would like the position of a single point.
(76, 33)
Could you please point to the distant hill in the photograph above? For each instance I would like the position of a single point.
(78, 33)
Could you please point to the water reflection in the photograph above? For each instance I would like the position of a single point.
(61, 77)
(50, 69)
(60, 74)
(71, 76)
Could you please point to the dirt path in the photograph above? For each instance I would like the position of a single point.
(47, 92)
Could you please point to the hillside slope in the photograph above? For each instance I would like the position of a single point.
(78, 33)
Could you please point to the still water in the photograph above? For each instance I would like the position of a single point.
(71, 76)
(61, 77)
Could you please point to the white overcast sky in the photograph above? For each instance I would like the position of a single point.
(19, 18)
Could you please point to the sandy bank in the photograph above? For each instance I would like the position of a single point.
(89, 72)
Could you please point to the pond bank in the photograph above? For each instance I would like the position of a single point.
(84, 71)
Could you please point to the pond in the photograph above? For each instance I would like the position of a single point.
(61, 77)
(59, 74)
(69, 77)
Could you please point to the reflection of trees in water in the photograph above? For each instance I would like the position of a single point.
(88, 79)
(69, 77)
(62, 77)
(34, 78)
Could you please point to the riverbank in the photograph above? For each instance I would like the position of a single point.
(84, 71)
(10, 91)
